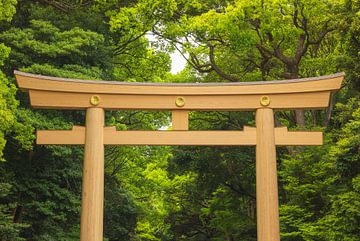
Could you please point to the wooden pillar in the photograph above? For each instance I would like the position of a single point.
(267, 204)
(180, 120)
(92, 203)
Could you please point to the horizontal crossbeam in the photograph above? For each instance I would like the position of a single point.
(68, 100)
(247, 137)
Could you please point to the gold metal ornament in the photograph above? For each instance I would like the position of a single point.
(265, 100)
(95, 100)
(180, 101)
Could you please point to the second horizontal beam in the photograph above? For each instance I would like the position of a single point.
(179, 138)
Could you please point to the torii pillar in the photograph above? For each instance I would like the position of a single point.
(92, 208)
(97, 96)
(267, 204)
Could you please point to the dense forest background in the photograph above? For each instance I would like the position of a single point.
(180, 193)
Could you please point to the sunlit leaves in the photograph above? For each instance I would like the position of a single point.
(45, 43)
(7, 9)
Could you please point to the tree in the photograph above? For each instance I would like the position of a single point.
(238, 40)
(8, 229)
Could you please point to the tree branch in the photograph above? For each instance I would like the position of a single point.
(239, 190)
(217, 69)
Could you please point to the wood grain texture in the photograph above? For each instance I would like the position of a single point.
(267, 204)
(180, 120)
(92, 201)
(62, 93)
(283, 137)
(70, 100)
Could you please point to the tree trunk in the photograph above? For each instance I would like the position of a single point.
(300, 117)
(293, 73)
(17, 213)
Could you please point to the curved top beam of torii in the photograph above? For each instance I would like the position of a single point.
(52, 92)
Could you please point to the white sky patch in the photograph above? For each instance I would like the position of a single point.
(178, 62)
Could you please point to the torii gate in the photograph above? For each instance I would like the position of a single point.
(97, 96)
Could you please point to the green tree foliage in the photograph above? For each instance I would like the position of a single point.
(321, 186)
(342, 220)
(8, 103)
(8, 106)
(155, 192)
(9, 231)
(7, 9)
(44, 44)
(255, 36)
(178, 193)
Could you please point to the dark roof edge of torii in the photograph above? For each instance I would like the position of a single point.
(28, 81)
(107, 82)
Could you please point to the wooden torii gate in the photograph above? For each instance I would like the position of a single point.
(97, 96)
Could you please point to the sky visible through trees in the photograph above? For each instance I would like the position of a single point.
(178, 62)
